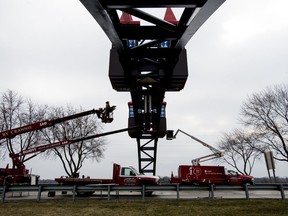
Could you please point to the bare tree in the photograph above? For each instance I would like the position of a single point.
(17, 112)
(72, 156)
(267, 114)
(241, 150)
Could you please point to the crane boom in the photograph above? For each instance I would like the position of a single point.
(102, 113)
(42, 148)
(196, 161)
(214, 150)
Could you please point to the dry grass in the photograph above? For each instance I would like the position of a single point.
(221, 207)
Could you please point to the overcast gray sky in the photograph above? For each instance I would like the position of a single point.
(55, 53)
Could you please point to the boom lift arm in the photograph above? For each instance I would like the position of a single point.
(39, 149)
(105, 114)
(196, 161)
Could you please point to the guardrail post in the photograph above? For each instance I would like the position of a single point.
(143, 192)
(39, 192)
(281, 188)
(211, 191)
(246, 191)
(3, 193)
(109, 190)
(177, 187)
(74, 192)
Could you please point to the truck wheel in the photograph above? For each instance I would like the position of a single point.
(51, 194)
(85, 194)
(147, 193)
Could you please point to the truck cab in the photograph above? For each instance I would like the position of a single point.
(129, 176)
(234, 178)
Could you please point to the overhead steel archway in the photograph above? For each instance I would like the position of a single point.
(148, 60)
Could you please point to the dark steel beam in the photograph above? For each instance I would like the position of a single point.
(205, 12)
(147, 155)
(186, 16)
(98, 12)
(120, 4)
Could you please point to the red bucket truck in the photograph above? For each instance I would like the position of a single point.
(197, 175)
(201, 175)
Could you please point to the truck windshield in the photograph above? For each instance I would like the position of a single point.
(134, 170)
(232, 172)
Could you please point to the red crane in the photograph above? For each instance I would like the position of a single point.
(20, 175)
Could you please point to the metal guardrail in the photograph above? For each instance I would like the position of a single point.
(143, 189)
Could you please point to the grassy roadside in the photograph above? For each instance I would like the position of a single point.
(221, 207)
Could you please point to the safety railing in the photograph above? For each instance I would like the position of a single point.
(144, 190)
